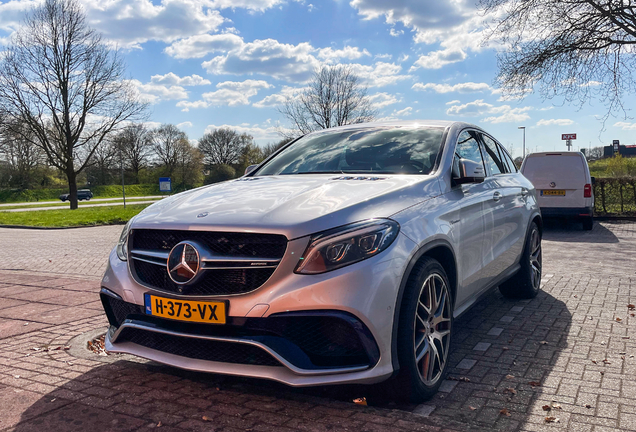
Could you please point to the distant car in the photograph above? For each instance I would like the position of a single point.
(82, 194)
(563, 184)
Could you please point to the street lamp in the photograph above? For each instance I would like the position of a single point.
(524, 141)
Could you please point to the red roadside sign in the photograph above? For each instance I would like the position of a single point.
(568, 136)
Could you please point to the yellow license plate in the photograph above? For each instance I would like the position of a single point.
(553, 192)
(186, 310)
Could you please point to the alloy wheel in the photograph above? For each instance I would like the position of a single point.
(432, 329)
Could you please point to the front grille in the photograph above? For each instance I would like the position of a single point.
(211, 282)
(219, 351)
(220, 243)
(233, 248)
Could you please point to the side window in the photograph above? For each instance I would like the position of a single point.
(467, 148)
(492, 158)
(506, 156)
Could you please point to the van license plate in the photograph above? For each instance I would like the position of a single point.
(553, 192)
(186, 310)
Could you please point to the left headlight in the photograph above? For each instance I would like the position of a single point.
(122, 244)
(346, 245)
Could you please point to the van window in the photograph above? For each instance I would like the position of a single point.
(563, 169)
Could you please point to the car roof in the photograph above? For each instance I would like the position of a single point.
(556, 153)
(400, 123)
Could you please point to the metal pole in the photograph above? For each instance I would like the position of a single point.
(123, 187)
(523, 156)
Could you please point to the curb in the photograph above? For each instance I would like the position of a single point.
(57, 228)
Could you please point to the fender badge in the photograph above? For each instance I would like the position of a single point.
(204, 214)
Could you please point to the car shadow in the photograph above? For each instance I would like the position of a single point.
(503, 353)
(565, 230)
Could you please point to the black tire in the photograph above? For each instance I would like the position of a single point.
(424, 334)
(526, 282)
(588, 223)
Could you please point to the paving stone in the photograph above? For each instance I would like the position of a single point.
(495, 331)
(482, 346)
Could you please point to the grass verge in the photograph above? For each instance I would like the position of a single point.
(65, 205)
(90, 216)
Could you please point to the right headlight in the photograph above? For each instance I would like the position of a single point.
(346, 245)
(122, 244)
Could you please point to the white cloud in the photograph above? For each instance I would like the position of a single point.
(467, 87)
(200, 45)
(154, 93)
(499, 114)
(348, 52)
(406, 112)
(185, 124)
(625, 125)
(293, 63)
(380, 74)
(555, 122)
(439, 59)
(173, 79)
(381, 100)
(261, 133)
(395, 33)
(453, 102)
(279, 98)
(231, 93)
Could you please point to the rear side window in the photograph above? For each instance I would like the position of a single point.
(492, 157)
(508, 159)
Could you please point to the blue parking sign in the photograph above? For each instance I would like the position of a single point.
(165, 184)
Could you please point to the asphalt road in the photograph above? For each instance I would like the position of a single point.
(102, 202)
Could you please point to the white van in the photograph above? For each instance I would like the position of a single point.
(563, 184)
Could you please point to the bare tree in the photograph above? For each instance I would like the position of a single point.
(335, 97)
(223, 146)
(103, 160)
(65, 85)
(166, 141)
(135, 144)
(271, 148)
(575, 49)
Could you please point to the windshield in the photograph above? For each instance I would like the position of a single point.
(380, 150)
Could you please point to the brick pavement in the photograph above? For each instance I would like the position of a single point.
(571, 349)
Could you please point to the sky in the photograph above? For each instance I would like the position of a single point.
(204, 64)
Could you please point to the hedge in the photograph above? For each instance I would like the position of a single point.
(615, 196)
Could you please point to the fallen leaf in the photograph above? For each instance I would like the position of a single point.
(67, 348)
(543, 342)
(588, 406)
(618, 319)
(206, 418)
(472, 408)
(510, 376)
(625, 337)
(602, 373)
(360, 401)
(36, 349)
(556, 406)
(606, 361)
(535, 383)
(551, 420)
(631, 307)
(511, 390)
(546, 407)
(26, 324)
(52, 400)
(159, 424)
(594, 361)
(505, 348)
(631, 314)
(505, 412)
(16, 376)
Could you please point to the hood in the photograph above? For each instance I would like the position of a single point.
(293, 205)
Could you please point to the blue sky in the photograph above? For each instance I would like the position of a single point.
(203, 64)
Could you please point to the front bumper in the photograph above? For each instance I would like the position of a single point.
(297, 329)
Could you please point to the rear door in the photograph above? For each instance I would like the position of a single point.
(559, 179)
(504, 240)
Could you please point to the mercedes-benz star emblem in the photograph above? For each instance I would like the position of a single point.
(183, 263)
(552, 184)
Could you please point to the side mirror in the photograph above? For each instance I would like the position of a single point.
(593, 180)
(250, 168)
(470, 172)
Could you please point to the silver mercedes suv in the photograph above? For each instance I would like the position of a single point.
(342, 258)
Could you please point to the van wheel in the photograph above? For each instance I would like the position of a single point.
(527, 281)
(424, 334)
(588, 223)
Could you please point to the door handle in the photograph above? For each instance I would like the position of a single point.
(496, 196)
